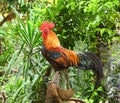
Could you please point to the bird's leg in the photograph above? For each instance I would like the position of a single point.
(55, 78)
(67, 79)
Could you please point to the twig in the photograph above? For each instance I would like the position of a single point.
(76, 100)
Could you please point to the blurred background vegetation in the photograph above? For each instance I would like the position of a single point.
(82, 25)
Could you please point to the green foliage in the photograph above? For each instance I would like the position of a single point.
(6, 47)
(93, 22)
(85, 20)
(27, 60)
(31, 67)
(81, 25)
(112, 81)
(62, 13)
(83, 83)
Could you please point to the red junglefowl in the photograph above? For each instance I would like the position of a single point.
(61, 58)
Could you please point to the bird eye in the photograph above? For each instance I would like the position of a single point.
(46, 30)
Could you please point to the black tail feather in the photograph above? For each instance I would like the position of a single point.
(90, 61)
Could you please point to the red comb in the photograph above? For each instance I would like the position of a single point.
(47, 25)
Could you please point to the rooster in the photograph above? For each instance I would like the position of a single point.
(61, 58)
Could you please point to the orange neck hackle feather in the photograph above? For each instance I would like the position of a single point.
(51, 41)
